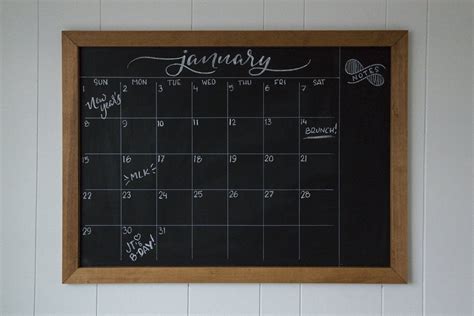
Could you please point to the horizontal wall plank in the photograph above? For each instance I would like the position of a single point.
(227, 15)
(280, 299)
(340, 299)
(140, 299)
(146, 14)
(224, 299)
(283, 14)
(345, 14)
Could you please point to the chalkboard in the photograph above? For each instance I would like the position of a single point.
(235, 156)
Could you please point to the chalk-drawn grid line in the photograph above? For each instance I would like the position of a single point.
(207, 154)
(204, 117)
(201, 77)
(209, 225)
(208, 189)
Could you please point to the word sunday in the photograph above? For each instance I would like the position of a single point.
(257, 65)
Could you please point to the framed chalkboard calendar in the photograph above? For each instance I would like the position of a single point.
(229, 156)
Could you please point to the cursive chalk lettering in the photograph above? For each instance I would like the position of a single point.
(256, 65)
(103, 103)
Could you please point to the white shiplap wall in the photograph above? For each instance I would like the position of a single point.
(440, 144)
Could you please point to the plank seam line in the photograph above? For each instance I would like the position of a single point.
(192, 14)
(37, 156)
(188, 307)
(300, 301)
(96, 299)
(304, 14)
(381, 300)
(425, 122)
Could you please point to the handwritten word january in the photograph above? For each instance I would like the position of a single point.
(257, 65)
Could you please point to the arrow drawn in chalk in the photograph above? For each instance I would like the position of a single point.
(137, 175)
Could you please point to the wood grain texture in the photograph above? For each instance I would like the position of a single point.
(233, 275)
(70, 157)
(399, 158)
(396, 273)
(234, 38)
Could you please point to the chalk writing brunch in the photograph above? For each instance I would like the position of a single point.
(256, 65)
(313, 132)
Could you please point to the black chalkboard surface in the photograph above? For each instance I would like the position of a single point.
(235, 156)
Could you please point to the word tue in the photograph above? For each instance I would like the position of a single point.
(103, 103)
(257, 66)
(136, 248)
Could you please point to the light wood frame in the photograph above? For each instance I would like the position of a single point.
(398, 270)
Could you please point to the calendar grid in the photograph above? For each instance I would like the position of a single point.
(208, 189)
(210, 225)
(271, 122)
(200, 117)
(205, 153)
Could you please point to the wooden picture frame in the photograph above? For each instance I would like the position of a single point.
(72, 41)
